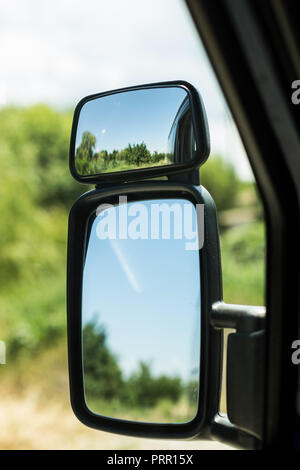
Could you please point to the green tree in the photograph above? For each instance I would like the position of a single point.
(144, 389)
(137, 154)
(158, 157)
(85, 151)
(102, 374)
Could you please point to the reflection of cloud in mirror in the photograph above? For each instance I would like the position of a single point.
(125, 266)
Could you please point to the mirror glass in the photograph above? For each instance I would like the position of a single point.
(141, 309)
(133, 130)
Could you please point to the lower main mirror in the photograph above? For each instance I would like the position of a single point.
(141, 311)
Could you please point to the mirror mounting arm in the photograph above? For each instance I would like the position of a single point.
(222, 430)
(245, 364)
(243, 318)
(189, 177)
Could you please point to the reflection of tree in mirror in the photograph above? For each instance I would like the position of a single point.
(90, 162)
(102, 375)
(144, 389)
(106, 386)
(85, 152)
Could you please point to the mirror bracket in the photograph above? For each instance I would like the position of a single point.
(189, 177)
(243, 318)
(245, 364)
(222, 430)
(211, 338)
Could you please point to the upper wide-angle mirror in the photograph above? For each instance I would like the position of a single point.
(141, 310)
(141, 128)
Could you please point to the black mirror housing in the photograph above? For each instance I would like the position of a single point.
(211, 343)
(180, 160)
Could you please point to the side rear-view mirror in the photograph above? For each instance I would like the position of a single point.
(144, 358)
(138, 132)
(144, 290)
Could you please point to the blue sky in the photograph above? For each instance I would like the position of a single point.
(147, 295)
(61, 50)
(132, 117)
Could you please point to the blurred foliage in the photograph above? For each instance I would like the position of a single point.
(145, 389)
(243, 264)
(36, 193)
(220, 179)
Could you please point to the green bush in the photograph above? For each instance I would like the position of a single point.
(36, 192)
(243, 264)
(146, 390)
(220, 179)
(102, 374)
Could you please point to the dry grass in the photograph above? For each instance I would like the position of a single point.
(26, 424)
(35, 412)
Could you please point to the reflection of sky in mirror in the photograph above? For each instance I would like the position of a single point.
(131, 117)
(147, 295)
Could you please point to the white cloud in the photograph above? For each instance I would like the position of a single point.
(3, 93)
(61, 50)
